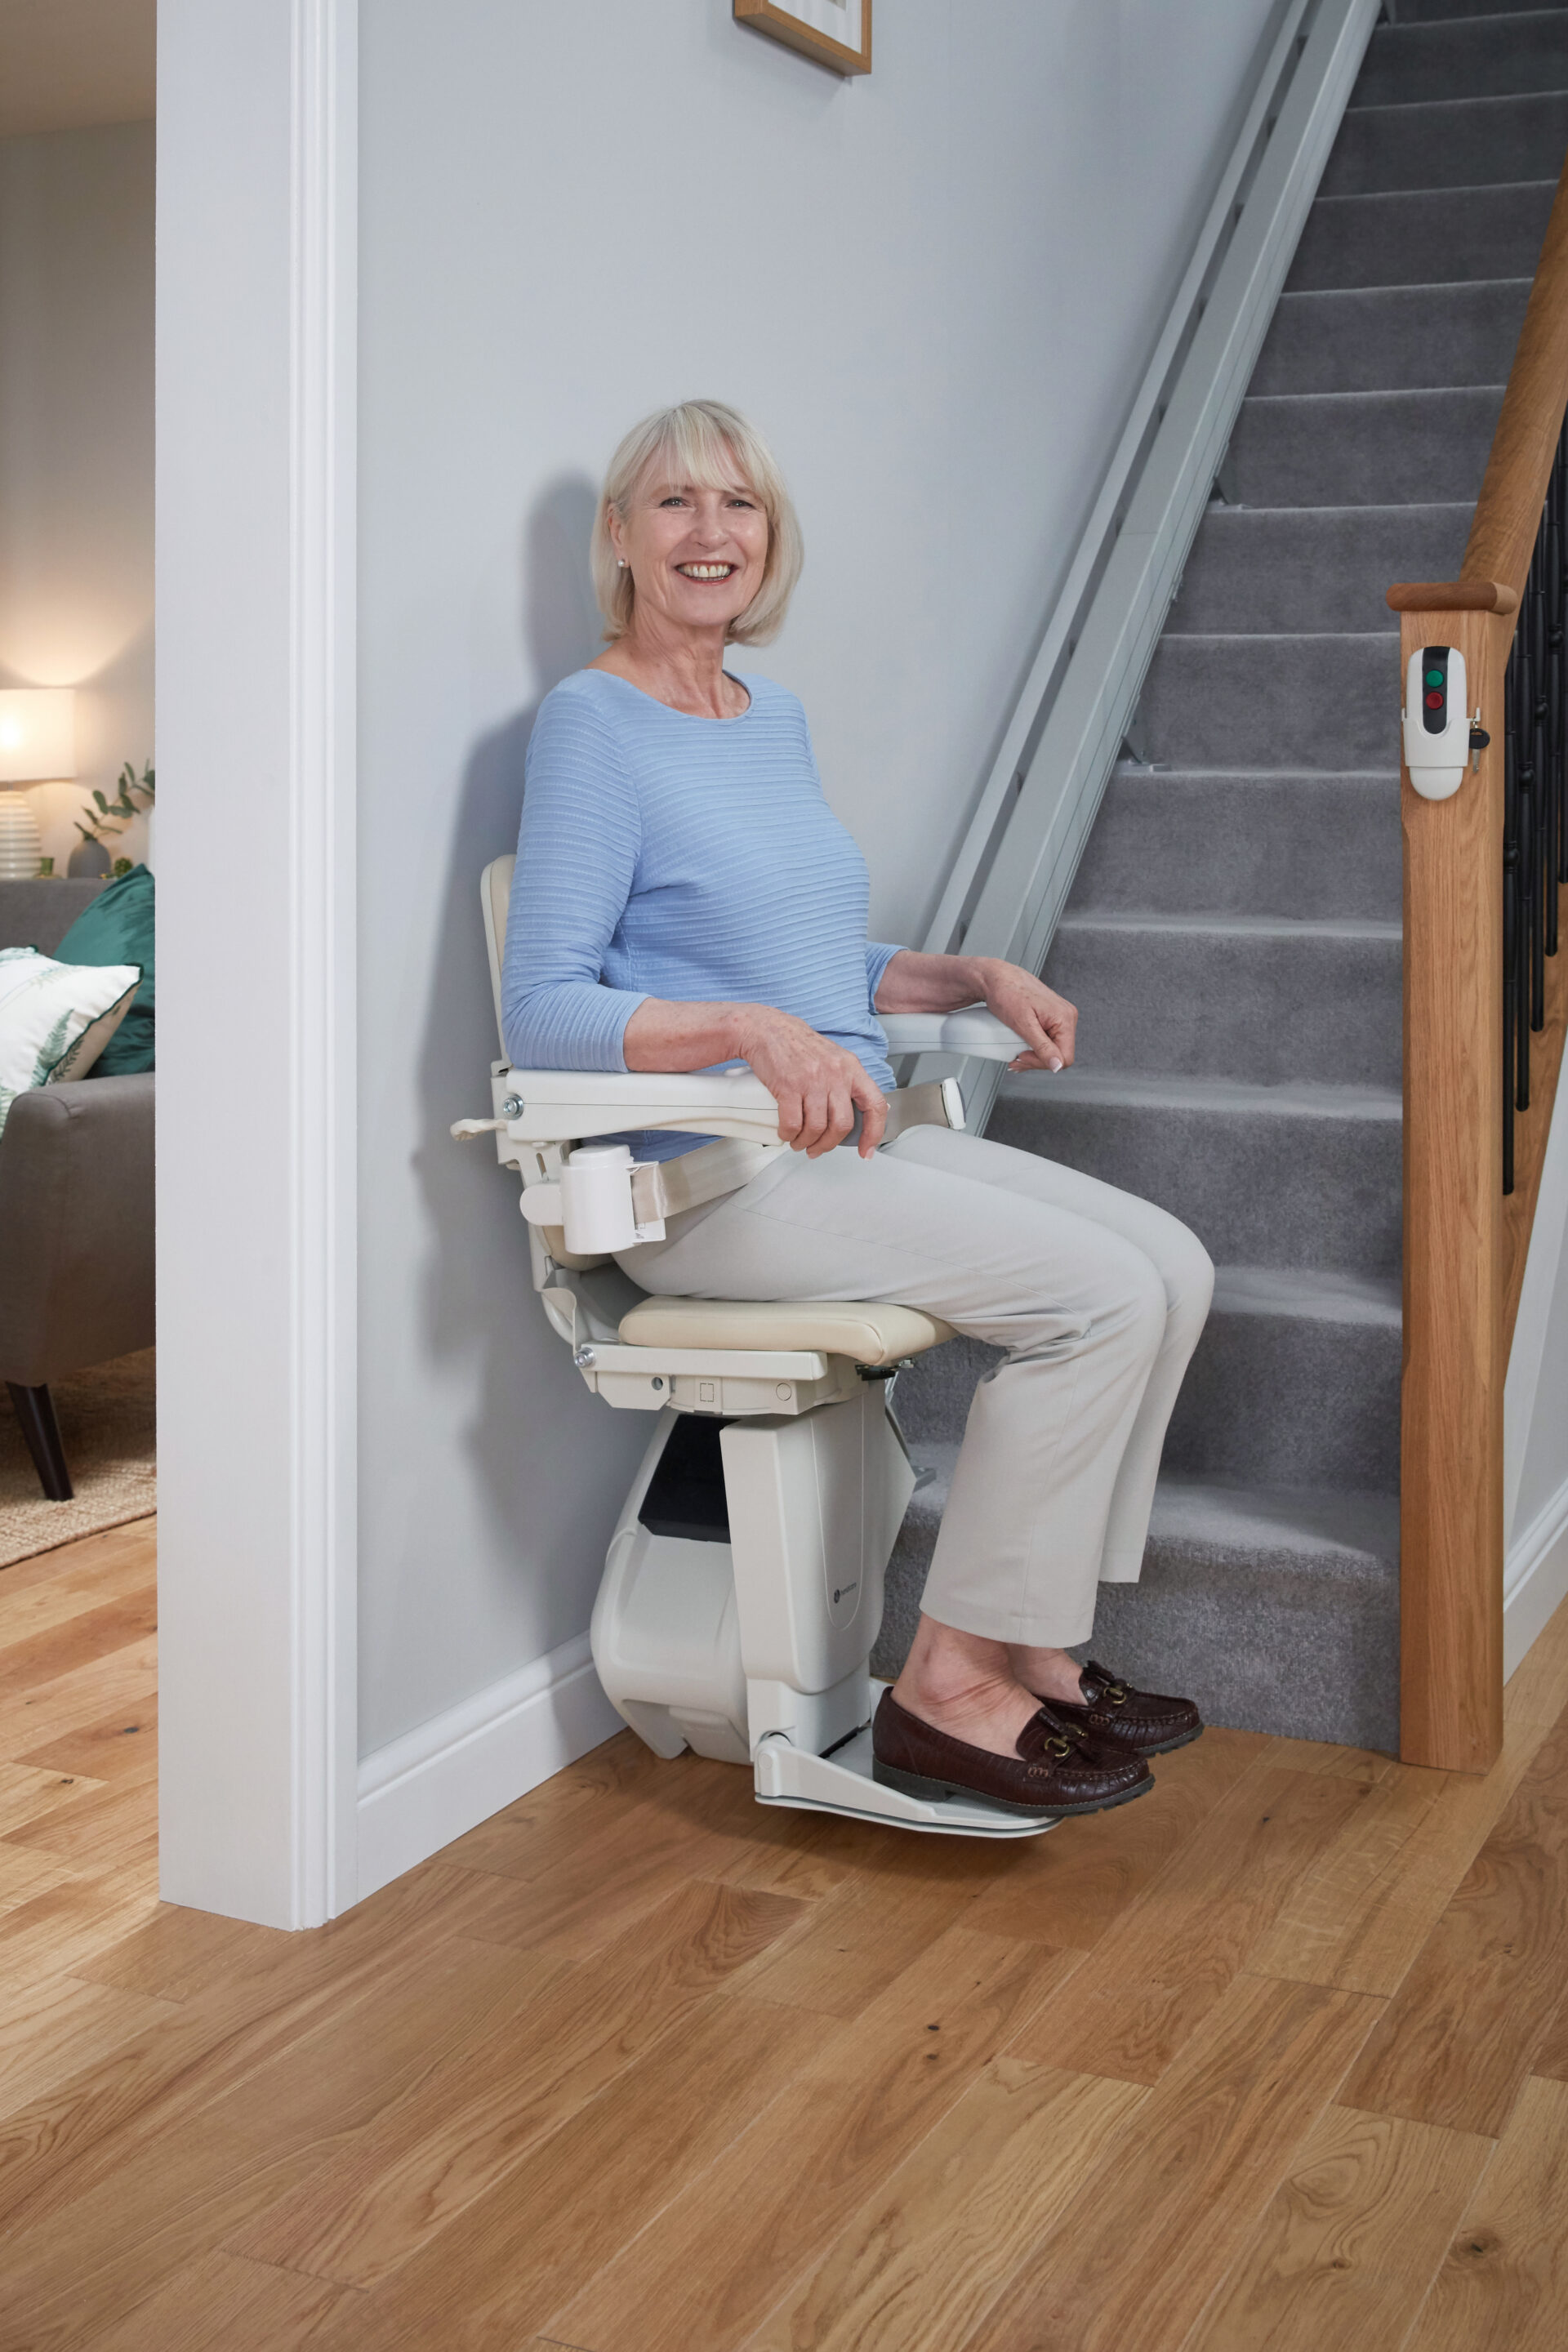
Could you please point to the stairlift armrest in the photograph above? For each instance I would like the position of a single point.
(971, 1031)
(558, 1105)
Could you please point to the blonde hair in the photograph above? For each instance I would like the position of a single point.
(711, 446)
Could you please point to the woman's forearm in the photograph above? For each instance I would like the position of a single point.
(914, 982)
(665, 1036)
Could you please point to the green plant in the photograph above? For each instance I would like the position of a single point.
(108, 818)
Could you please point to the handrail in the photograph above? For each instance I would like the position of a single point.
(1015, 865)
(1480, 971)
(1462, 596)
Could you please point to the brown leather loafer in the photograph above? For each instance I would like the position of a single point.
(1058, 1770)
(1140, 1722)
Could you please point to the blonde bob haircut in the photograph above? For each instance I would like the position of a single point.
(710, 446)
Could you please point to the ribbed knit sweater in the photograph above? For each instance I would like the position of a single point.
(694, 859)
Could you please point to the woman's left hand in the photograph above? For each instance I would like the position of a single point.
(1046, 1020)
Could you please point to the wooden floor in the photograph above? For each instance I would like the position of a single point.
(1276, 2058)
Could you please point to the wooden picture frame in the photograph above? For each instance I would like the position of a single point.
(836, 33)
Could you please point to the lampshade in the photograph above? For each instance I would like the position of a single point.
(37, 734)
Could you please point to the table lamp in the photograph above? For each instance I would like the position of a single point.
(37, 746)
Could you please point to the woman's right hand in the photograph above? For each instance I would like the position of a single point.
(818, 1085)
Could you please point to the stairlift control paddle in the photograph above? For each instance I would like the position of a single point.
(1437, 721)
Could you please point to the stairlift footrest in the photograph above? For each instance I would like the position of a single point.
(842, 1783)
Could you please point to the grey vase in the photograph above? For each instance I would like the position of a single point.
(89, 862)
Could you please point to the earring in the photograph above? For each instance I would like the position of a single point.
(622, 561)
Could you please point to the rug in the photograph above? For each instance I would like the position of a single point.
(108, 1423)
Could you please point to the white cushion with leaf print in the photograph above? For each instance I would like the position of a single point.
(56, 1018)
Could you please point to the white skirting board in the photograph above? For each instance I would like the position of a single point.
(440, 1780)
(1535, 1579)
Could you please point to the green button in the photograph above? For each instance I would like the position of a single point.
(1433, 677)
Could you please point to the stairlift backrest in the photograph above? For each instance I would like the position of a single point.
(495, 898)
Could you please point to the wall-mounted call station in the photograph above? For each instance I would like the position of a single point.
(1437, 731)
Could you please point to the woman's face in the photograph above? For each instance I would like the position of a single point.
(697, 556)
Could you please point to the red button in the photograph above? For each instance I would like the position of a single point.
(1434, 702)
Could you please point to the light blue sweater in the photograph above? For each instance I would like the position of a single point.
(689, 859)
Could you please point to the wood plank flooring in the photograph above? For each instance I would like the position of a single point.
(1274, 2061)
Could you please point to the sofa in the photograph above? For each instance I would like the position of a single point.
(76, 1211)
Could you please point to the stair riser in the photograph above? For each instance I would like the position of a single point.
(1422, 239)
(1467, 143)
(1304, 846)
(1393, 338)
(1279, 570)
(1261, 1655)
(1302, 1656)
(1273, 702)
(1265, 1011)
(1355, 450)
(1269, 1399)
(1290, 1402)
(1258, 1188)
(1406, 65)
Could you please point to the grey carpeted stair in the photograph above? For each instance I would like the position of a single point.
(1479, 56)
(1292, 1176)
(1455, 143)
(1269, 843)
(1233, 934)
(1406, 238)
(1312, 569)
(1391, 338)
(1360, 448)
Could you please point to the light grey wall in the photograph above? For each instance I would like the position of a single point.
(933, 290)
(1546, 1453)
(76, 446)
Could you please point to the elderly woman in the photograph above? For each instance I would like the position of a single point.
(685, 899)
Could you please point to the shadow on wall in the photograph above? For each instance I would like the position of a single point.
(477, 1295)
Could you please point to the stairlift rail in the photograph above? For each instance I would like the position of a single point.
(1013, 869)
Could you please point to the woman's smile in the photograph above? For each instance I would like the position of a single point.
(707, 571)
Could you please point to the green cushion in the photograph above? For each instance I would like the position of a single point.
(117, 928)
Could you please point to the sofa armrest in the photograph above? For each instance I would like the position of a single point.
(76, 1227)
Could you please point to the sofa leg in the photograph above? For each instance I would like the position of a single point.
(36, 1411)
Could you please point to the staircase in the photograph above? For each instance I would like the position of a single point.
(1232, 938)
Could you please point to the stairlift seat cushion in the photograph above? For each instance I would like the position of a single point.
(865, 1331)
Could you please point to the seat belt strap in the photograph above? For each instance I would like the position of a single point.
(665, 1188)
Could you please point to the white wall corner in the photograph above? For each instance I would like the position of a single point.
(1535, 1579)
(419, 1792)
(1538, 1295)
(1535, 1425)
(257, 1213)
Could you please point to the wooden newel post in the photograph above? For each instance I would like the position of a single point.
(1455, 1353)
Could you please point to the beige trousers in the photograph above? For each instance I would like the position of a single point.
(1096, 1297)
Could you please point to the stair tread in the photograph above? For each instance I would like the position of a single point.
(1421, 196)
(1321, 1294)
(1266, 779)
(1409, 393)
(1135, 1090)
(1235, 927)
(1448, 107)
(1311, 1523)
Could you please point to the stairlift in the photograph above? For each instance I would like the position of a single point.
(743, 1588)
